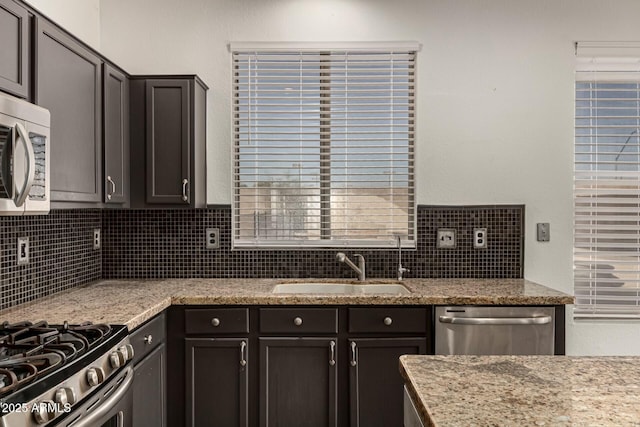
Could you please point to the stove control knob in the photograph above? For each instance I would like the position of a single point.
(127, 350)
(117, 358)
(95, 376)
(65, 395)
(44, 411)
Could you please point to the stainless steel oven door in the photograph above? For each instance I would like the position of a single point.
(111, 406)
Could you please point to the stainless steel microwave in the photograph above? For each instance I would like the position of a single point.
(24, 157)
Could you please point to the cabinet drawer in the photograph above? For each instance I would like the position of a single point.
(147, 337)
(299, 320)
(393, 319)
(217, 321)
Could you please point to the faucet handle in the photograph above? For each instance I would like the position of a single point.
(401, 271)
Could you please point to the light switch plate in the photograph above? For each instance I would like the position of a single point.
(544, 231)
(23, 250)
(446, 238)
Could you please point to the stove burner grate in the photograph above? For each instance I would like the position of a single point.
(17, 371)
(33, 350)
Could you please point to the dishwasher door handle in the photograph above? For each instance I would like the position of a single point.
(536, 320)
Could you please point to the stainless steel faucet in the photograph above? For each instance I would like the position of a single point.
(401, 269)
(341, 257)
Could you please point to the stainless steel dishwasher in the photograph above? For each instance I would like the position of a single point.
(494, 330)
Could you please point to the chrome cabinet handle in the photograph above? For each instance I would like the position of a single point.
(387, 321)
(332, 345)
(31, 168)
(185, 182)
(148, 339)
(297, 321)
(113, 188)
(243, 359)
(354, 361)
(215, 322)
(538, 320)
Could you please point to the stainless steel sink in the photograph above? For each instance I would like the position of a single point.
(341, 288)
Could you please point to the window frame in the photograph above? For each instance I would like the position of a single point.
(606, 198)
(408, 240)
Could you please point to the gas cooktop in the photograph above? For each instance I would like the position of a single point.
(57, 365)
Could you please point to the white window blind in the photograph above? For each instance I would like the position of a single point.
(324, 147)
(607, 181)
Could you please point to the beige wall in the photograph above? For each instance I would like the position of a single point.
(495, 96)
(81, 17)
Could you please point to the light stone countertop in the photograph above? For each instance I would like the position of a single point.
(132, 302)
(524, 390)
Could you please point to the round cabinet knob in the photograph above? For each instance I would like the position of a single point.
(117, 358)
(215, 322)
(65, 395)
(127, 351)
(387, 321)
(95, 376)
(148, 339)
(44, 411)
(297, 321)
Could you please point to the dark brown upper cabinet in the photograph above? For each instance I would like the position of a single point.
(116, 136)
(14, 45)
(68, 82)
(168, 132)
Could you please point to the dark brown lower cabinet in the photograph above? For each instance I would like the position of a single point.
(324, 366)
(217, 381)
(150, 373)
(375, 384)
(298, 382)
(149, 389)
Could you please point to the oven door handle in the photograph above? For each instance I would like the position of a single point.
(31, 168)
(89, 419)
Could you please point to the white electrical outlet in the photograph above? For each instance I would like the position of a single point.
(479, 238)
(96, 239)
(23, 250)
(446, 237)
(213, 238)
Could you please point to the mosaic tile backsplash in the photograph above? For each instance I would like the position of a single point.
(171, 243)
(61, 254)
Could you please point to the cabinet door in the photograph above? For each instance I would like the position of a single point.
(216, 381)
(14, 46)
(167, 158)
(149, 402)
(116, 136)
(375, 384)
(298, 382)
(68, 83)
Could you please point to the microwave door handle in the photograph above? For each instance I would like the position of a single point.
(31, 165)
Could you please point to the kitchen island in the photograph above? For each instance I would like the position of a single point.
(523, 390)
